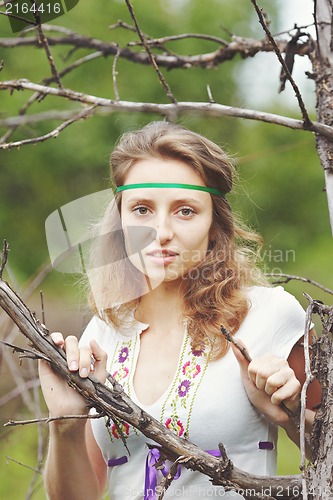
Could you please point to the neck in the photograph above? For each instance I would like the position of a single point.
(163, 305)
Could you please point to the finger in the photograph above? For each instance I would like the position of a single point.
(264, 367)
(72, 353)
(100, 358)
(84, 361)
(279, 379)
(288, 393)
(58, 338)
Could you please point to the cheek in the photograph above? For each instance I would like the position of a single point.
(195, 249)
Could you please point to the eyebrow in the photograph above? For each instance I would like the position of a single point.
(177, 201)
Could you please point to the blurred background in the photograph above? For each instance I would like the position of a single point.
(280, 191)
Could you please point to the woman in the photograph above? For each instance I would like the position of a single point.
(180, 267)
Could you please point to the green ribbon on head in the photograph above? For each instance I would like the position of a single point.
(170, 185)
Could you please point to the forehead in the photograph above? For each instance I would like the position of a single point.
(164, 195)
(152, 170)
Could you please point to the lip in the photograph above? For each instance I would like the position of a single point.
(162, 253)
(162, 257)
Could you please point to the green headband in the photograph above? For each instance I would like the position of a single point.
(170, 185)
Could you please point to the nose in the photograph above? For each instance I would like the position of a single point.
(164, 231)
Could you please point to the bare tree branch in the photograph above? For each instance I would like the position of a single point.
(245, 47)
(116, 404)
(184, 36)
(150, 54)
(306, 118)
(53, 134)
(5, 250)
(47, 420)
(114, 76)
(43, 41)
(209, 109)
(289, 277)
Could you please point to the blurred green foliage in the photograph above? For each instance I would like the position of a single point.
(281, 185)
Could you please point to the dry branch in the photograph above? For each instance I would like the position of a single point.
(206, 108)
(285, 278)
(151, 56)
(245, 47)
(263, 22)
(116, 404)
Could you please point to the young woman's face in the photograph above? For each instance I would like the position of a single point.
(180, 219)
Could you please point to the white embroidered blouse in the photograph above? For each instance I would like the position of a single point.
(205, 402)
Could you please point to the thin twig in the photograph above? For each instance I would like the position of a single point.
(53, 134)
(164, 485)
(306, 118)
(56, 77)
(225, 332)
(18, 18)
(22, 112)
(289, 277)
(210, 95)
(4, 257)
(23, 465)
(44, 42)
(42, 306)
(122, 24)
(114, 75)
(150, 54)
(22, 120)
(309, 378)
(26, 352)
(183, 36)
(54, 28)
(74, 65)
(19, 382)
(40, 440)
(46, 420)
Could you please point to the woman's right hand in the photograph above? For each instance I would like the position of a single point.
(60, 398)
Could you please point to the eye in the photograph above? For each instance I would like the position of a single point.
(186, 212)
(140, 210)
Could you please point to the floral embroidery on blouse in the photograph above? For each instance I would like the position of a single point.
(122, 427)
(192, 366)
(120, 368)
(179, 429)
(123, 355)
(182, 393)
(121, 363)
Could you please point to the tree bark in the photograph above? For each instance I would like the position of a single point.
(322, 63)
(320, 474)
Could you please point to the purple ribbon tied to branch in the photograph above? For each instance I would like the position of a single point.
(153, 457)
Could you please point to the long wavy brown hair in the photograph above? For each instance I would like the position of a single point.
(214, 291)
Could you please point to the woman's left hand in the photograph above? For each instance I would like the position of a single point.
(269, 381)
